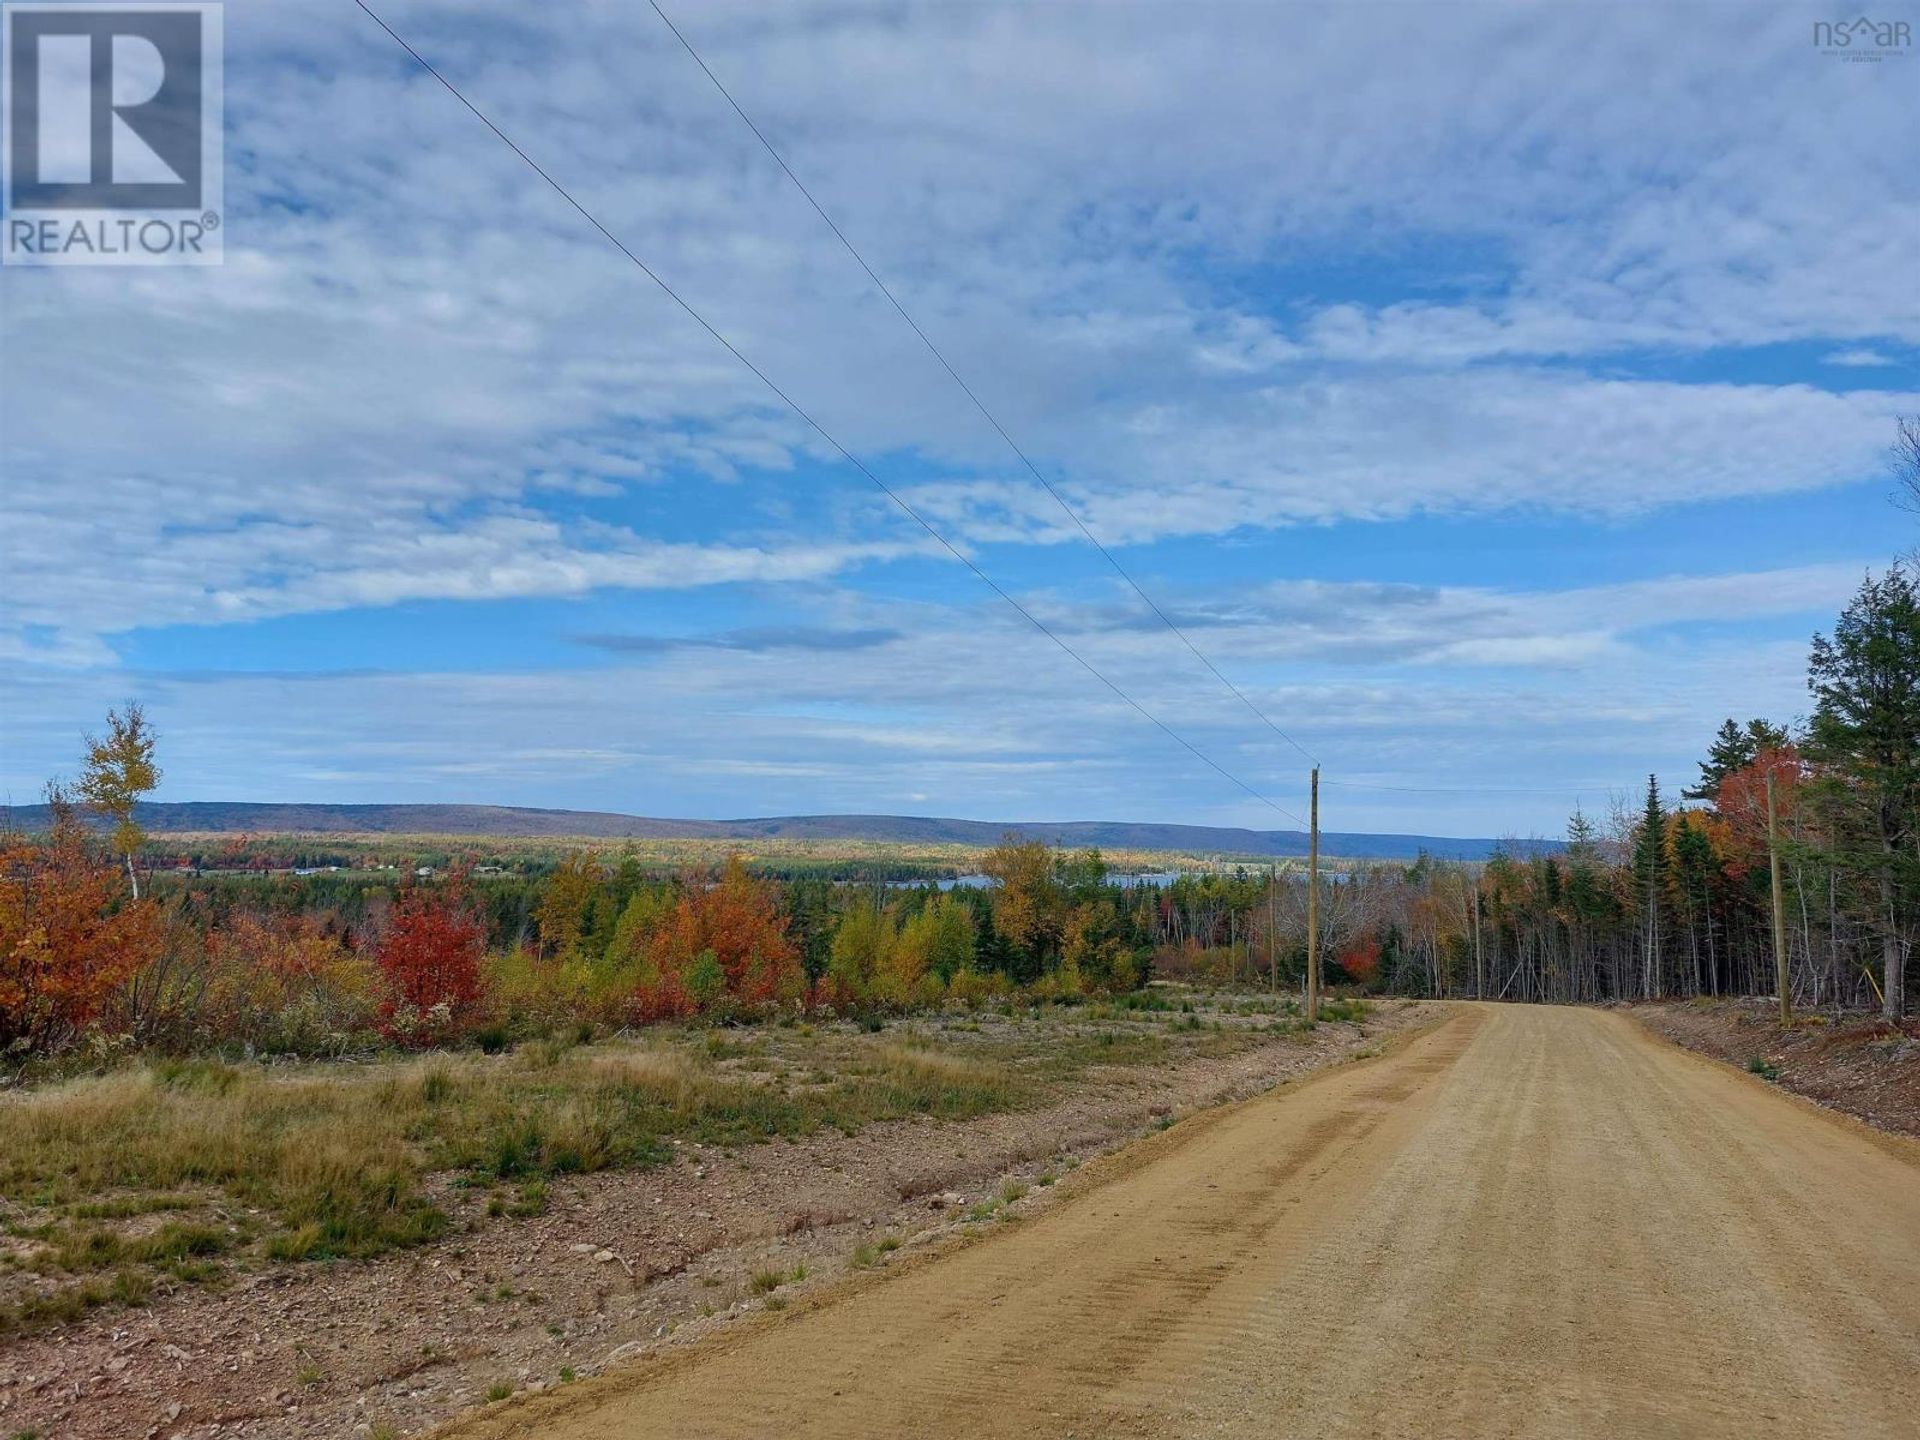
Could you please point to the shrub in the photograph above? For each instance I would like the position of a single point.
(973, 988)
(430, 957)
(765, 1282)
(282, 985)
(705, 980)
(738, 923)
(528, 994)
(1361, 959)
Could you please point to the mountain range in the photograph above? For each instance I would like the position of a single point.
(251, 817)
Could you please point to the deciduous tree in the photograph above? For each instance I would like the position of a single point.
(118, 770)
(1028, 902)
(430, 957)
(69, 933)
(566, 903)
(1734, 747)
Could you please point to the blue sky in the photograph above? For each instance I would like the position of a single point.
(1498, 394)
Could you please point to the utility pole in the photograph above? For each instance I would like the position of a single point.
(1473, 915)
(1313, 905)
(1273, 930)
(1779, 911)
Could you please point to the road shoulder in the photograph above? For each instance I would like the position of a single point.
(1855, 1067)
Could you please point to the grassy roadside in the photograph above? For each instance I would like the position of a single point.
(181, 1172)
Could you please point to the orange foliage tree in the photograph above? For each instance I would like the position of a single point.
(1741, 803)
(724, 945)
(70, 934)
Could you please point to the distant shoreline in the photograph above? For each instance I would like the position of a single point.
(517, 822)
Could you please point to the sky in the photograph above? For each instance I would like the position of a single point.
(1498, 395)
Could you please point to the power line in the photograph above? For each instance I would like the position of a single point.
(969, 392)
(1032, 469)
(816, 426)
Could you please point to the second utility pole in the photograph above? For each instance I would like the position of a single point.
(1273, 931)
(1313, 905)
(1779, 914)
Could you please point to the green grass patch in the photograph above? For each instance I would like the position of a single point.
(1341, 1009)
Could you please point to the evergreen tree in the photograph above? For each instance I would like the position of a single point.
(1589, 901)
(992, 954)
(1695, 864)
(810, 922)
(1650, 865)
(1866, 731)
(1734, 748)
(628, 877)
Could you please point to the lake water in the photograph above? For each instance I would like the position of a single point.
(981, 882)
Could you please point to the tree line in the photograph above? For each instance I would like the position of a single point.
(93, 954)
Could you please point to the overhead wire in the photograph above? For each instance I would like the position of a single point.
(994, 421)
(846, 454)
(971, 393)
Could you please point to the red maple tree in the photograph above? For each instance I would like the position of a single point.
(1741, 803)
(430, 956)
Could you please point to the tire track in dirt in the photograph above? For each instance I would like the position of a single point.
(1529, 1222)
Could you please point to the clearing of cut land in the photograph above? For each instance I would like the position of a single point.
(198, 1248)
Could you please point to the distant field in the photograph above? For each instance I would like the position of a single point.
(886, 858)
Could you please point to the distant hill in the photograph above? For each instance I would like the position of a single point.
(517, 822)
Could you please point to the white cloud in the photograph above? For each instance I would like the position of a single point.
(1390, 446)
(1858, 358)
(1367, 625)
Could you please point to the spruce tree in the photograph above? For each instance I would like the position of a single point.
(1865, 732)
(1650, 885)
(1734, 748)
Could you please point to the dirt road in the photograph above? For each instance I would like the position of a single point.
(1529, 1222)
